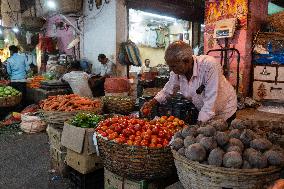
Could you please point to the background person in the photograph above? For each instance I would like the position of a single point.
(17, 68)
(78, 80)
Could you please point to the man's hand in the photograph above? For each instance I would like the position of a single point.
(147, 107)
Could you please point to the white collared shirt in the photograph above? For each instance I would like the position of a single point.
(217, 99)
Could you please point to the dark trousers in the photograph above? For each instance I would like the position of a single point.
(97, 86)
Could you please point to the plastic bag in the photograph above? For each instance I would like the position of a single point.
(31, 123)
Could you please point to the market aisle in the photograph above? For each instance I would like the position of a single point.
(25, 162)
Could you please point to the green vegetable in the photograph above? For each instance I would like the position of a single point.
(7, 91)
(86, 120)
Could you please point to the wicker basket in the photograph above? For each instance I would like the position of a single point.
(136, 162)
(119, 104)
(277, 21)
(58, 117)
(10, 101)
(194, 175)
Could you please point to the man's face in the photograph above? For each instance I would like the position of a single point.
(102, 60)
(180, 67)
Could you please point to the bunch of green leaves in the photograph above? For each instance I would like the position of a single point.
(86, 120)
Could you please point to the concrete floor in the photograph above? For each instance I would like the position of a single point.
(25, 163)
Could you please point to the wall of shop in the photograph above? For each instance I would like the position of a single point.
(156, 55)
(250, 15)
(104, 29)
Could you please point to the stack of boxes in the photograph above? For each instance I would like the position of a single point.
(57, 150)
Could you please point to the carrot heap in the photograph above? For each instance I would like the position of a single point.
(35, 82)
(68, 103)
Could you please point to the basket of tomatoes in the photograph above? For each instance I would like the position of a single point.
(137, 148)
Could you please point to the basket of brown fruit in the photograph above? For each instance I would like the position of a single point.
(217, 156)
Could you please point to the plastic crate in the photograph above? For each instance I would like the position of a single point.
(94, 180)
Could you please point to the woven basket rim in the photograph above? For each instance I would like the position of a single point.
(224, 170)
(133, 147)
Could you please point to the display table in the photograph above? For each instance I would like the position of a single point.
(36, 95)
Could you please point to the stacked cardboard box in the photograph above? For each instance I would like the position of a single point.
(57, 151)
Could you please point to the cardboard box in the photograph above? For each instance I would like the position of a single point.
(81, 153)
(114, 181)
(54, 133)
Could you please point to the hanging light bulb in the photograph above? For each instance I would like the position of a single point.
(15, 29)
(51, 4)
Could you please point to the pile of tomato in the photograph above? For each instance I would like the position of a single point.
(138, 132)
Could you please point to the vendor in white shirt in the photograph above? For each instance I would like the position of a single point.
(78, 80)
(107, 66)
(106, 70)
(199, 79)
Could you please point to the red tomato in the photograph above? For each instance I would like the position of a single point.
(130, 142)
(114, 120)
(132, 137)
(133, 121)
(104, 134)
(118, 129)
(136, 143)
(118, 140)
(137, 127)
(115, 134)
(181, 122)
(159, 145)
(138, 138)
(160, 140)
(154, 136)
(109, 131)
(161, 134)
(111, 136)
(141, 122)
(154, 140)
(123, 139)
(171, 118)
(152, 145)
(104, 128)
(138, 133)
(149, 132)
(165, 142)
(144, 143)
(155, 130)
(147, 136)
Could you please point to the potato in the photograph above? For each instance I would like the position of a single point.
(177, 144)
(232, 160)
(236, 142)
(209, 143)
(235, 133)
(275, 158)
(189, 140)
(219, 124)
(195, 152)
(188, 131)
(222, 138)
(257, 160)
(207, 131)
(247, 136)
(234, 148)
(261, 144)
(181, 151)
(216, 157)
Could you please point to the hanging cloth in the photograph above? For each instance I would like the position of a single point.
(129, 54)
